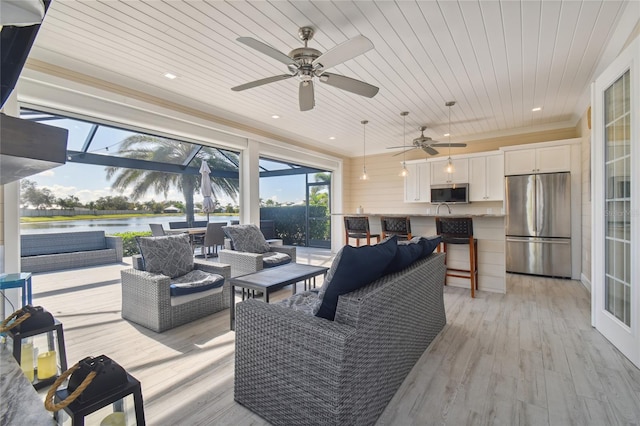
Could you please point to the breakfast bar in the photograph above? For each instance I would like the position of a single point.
(488, 229)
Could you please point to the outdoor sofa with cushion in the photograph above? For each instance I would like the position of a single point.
(67, 250)
(247, 251)
(338, 357)
(167, 287)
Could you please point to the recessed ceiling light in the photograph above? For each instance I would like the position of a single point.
(275, 116)
(331, 138)
(170, 76)
(537, 109)
(446, 134)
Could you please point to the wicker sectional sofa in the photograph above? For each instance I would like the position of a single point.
(67, 250)
(297, 368)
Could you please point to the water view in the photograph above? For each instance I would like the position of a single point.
(110, 226)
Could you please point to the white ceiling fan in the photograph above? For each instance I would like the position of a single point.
(427, 144)
(307, 63)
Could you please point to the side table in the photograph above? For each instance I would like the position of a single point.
(20, 280)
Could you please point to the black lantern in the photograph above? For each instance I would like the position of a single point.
(99, 392)
(38, 344)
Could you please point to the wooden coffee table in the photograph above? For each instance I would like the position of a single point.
(271, 279)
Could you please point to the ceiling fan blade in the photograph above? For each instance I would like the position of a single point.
(261, 82)
(305, 94)
(267, 50)
(343, 52)
(429, 150)
(450, 145)
(402, 152)
(349, 84)
(400, 146)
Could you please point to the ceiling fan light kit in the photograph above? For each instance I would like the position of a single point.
(364, 175)
(404, 172)
(449, 169)
(307, 63)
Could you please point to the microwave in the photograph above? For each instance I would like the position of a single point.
(455, 193)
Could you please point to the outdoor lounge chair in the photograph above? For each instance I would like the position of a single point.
(167, 287)
(247, 251)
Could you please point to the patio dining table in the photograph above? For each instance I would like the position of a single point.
(193, 232)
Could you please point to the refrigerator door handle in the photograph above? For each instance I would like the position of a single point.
(539, 240)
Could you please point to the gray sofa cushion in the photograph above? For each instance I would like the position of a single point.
(63, 242)
(171, 255)
(247, 238)
(306, 302)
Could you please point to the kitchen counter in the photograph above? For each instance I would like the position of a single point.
(420, 214)
(21, 404)
(488, 229)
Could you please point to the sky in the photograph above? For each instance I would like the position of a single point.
(89, 182)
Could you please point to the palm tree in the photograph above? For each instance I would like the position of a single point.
(154, 148)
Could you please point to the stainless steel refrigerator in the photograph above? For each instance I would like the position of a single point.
(538, 222)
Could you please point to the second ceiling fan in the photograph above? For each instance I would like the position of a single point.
(427, 144)
(307, 63)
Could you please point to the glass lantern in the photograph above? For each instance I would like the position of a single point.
(107, 400)
(38, 346)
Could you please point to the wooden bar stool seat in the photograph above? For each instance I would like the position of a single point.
(459, 230)
(358, 227)
(393, 225)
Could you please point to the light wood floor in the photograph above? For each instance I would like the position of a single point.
(529, 357)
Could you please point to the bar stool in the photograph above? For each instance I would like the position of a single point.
(358, 227)
(400, 226)
(459, 230)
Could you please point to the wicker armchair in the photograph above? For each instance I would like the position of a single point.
(248, 262)
(147, 299)
(243, 263)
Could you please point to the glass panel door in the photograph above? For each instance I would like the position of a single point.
(319, 212)
(616, 203)
(617, 226)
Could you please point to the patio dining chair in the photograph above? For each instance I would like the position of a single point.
(214, 237)
(156, 229)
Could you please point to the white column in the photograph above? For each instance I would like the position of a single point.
(10, 223)
(250, 184)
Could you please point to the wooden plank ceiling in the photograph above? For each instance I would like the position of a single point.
(497, 59)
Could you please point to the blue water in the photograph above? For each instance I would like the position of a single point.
(110, 226)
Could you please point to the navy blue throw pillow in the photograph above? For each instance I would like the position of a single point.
(405, 256)
(429, 244)
(356, 267)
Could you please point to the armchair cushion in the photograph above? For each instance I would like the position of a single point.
(170, 255)
(353, 268)
(247, 238)
(272, 259)
(195, 282)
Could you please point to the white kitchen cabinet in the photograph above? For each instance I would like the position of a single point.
(486, 178)
(548, 159)
(439, 175)
(417, 184)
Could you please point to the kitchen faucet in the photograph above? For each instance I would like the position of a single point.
(443, 204)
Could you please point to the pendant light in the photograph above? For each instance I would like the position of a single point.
(364, 150)
(449, 168)
(404, 172)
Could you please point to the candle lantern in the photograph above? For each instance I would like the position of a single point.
(99, 392)
(38, 344)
